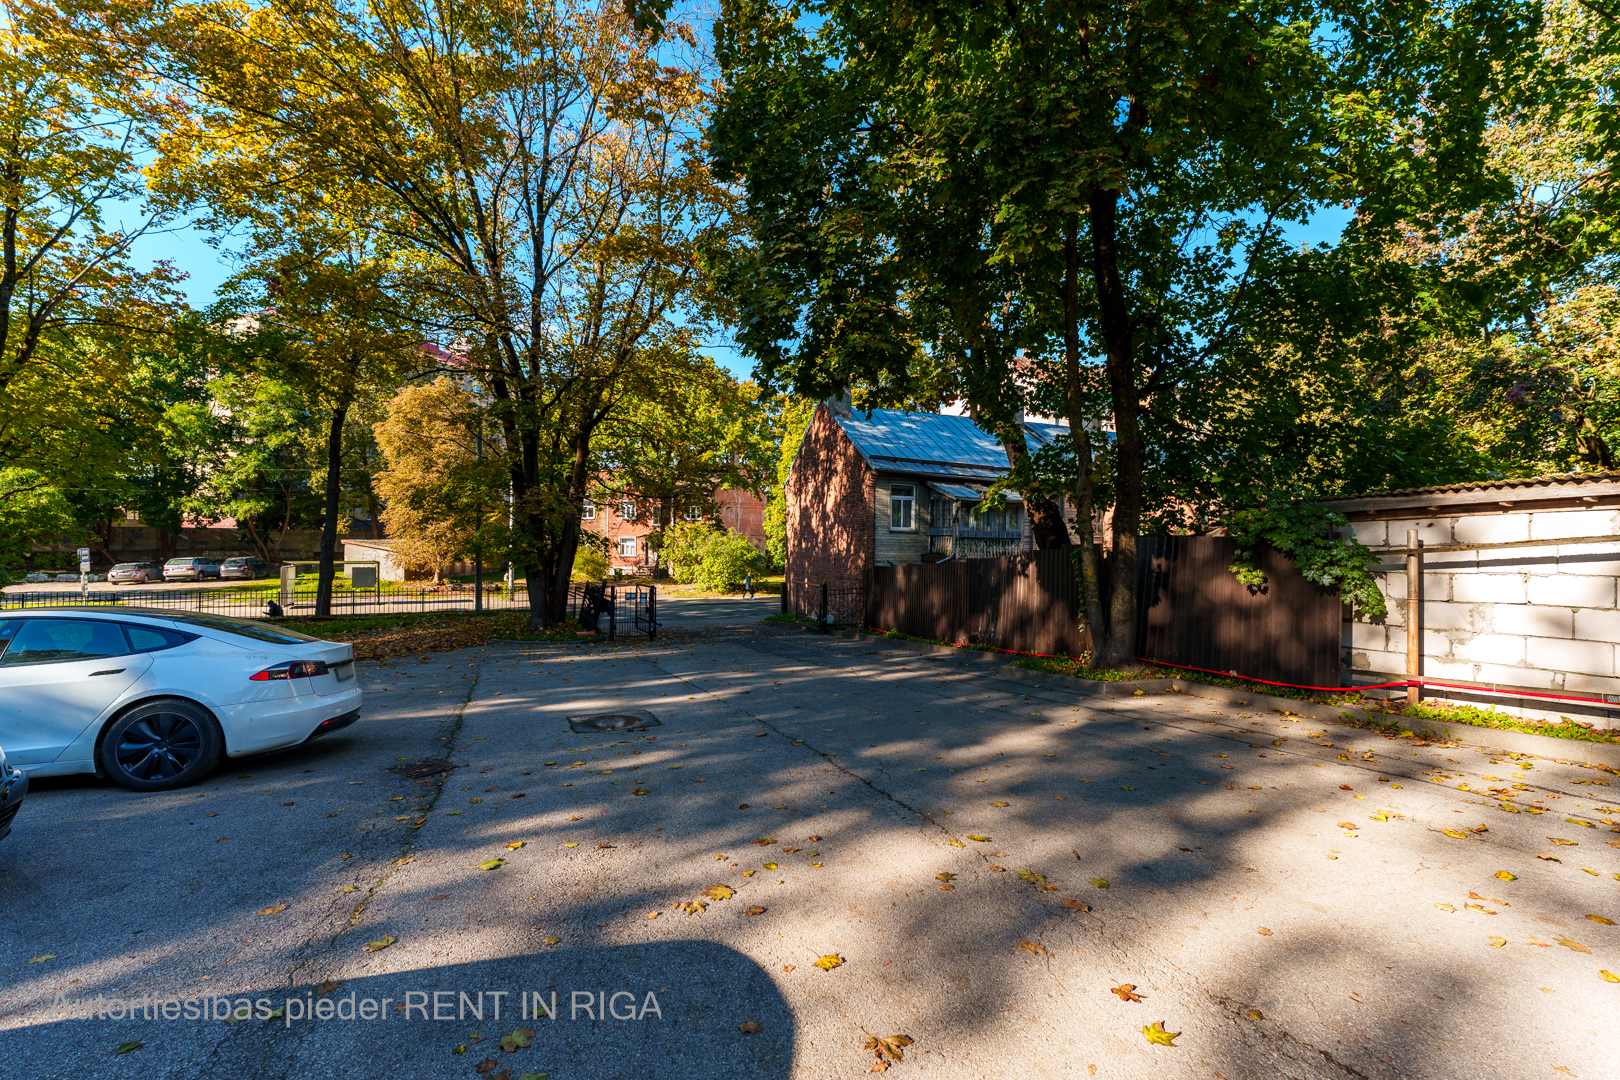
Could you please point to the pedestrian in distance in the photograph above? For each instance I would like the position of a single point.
(748, 584)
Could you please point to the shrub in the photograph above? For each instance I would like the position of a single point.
(699, 554)
(590, 564)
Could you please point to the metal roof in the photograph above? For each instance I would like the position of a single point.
(929, 444)
(1488, 496)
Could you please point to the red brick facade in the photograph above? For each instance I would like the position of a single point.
(737, 511)
(830, 522)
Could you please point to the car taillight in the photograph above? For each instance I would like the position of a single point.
(292, 669)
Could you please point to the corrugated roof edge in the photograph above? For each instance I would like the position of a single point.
(1487, 485)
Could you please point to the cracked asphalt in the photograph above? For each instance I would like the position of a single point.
(1283, 894)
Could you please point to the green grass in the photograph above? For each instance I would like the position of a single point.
(1474, 716)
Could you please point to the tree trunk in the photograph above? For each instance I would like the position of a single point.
(1084, 509)
(334, 477)
(570, 534)
(1045, 516)
(1113, 311)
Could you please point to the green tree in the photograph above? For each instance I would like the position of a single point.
(1096, 190)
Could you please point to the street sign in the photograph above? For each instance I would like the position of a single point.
(84, 560)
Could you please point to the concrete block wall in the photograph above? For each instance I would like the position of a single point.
(1539, 617)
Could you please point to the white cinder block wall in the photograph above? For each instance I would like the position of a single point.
(1543, 617)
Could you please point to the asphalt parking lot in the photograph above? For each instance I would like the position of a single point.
(1294, 900)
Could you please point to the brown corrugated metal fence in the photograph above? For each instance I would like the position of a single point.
(1193, 611)
(1026, 603)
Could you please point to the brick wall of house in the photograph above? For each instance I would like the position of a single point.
(830, 518)
(1543, 617)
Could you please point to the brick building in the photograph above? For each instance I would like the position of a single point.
(897, 487)
(1526, 597)
(627, 521)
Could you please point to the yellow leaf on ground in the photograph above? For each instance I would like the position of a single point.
(1125, 992)
(1445, 907)
(514, 845)
(719, 892)
(980, 839)
(1262, 931)
(695, 907)
(1561, 841)
(1609, 976)
(1074, 905)
(1101, 883)
(1156, 1034)
(830, 961)
(551, 939)
(1601, 919)
(1497, 942)
(1568, 944)
(492, 864)
(1456, 833)
(1033, 947)
(41, 959)
(273, 909)
(379, 945)
(1506, 875)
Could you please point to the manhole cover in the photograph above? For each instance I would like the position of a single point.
(416, 769)
(614, 721)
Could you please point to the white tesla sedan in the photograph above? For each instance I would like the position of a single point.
(154, 699)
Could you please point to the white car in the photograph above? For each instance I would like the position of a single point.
(155, 699)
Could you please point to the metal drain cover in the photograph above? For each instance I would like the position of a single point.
(614, 721)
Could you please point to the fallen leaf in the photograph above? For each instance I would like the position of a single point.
(695, 907)
(1609, 976)
(1497, 942)
(379, 945)
(999, 804)
(129, 1047)
(273, 909)
(1074, 905)
(1101, 883)
(1564, 843)
(327, 987)
(1456, 833)
(719, 892)
(980, 839)
(956, 843)
(887, 1051)
(485, 1067)
(771, 866)
(1481, 908)
(571, 843)
(1348, 825)
(492, 864)
(946, 876)
(1506, 875)
(1156, 1034)
(1255, 1014)
(1601, 919)
(787, 967)
(1445, 907)
(1568, 944)
(1125, 992)
(1262, 931)
(830, 961)
(1034, 948)
(41, 959)
(1032, 877)
(654, 915)
(514, 845)
(751, 1027)
(517, 1040)
(765, 841)
(756, 910)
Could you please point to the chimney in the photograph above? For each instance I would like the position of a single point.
(840, 405)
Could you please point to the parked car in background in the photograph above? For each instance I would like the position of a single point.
(244, 566)
(135, 573)
(155, 699)
(190, 569)
(13, 786)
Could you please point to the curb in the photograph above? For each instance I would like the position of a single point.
(1563, 751)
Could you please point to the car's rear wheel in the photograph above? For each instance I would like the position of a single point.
(162, 744)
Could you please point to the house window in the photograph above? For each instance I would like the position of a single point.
(627, 547)
(1012, 520)
(902, 505)
(627, 509)
(694, 513)
(588, 512)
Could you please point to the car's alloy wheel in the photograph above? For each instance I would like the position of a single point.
(162, 744)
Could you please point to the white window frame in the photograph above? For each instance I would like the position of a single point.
(588, 511)
(694, 513)
(903, 508)
(627, 509)
(631, 541)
